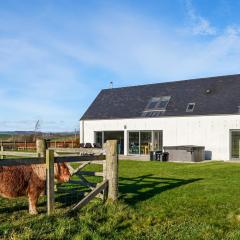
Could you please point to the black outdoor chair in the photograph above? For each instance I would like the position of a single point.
(97, 145)
(88, 145)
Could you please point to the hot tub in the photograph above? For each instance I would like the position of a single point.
(186, 153)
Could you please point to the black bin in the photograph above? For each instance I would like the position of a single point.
(155, 155)
(165, 156)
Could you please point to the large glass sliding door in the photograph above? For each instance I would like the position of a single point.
(145, 142)
(235, 144)
(133, 142)
(102, 137)
(115, 135)
(99, 138)
(157, 141)
(142, 142)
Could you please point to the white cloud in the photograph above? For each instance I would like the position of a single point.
(49, 75)
(140, 50)
(233, 30)
(198, 24)
(36, 84)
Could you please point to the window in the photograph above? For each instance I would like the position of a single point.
(162, 105)
(157, 141)
(142, 142)
(156, 106)
(235, 144)
(145, 142)
(153, 103)
(158, 103)
(133, 142)
(190, 107)
(98, 138)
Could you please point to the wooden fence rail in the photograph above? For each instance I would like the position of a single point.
(26, 145)
(42, 160)
(109, 184)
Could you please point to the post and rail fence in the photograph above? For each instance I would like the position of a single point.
(31, 146)
(107, 189)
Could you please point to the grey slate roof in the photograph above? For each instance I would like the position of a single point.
(130, 102)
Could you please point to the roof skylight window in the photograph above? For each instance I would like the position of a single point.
(190, 107)
(153, 103)
(158, 103)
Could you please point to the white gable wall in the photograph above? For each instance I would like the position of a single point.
(213, 132)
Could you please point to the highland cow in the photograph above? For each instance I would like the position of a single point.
(16, 181)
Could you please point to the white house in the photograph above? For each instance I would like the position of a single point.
(203, 112)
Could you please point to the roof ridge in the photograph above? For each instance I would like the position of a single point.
(173, 82)
(130, 102)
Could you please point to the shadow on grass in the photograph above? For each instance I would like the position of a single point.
(132, 190)
(68, 196)
(65, 196)
(15, 205)
(141, 188)
(12, 209)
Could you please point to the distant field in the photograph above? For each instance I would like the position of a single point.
(169, 201)
(4, 136)
(64, 138)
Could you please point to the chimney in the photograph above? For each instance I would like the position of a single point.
(111, 85)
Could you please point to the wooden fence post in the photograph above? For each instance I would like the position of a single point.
(41, 147)
(105, 191)
(2, 156)
(50, 180)
(112, 169)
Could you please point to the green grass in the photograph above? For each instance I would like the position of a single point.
(157, 201)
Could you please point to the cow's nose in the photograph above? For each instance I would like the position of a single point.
(67, 179)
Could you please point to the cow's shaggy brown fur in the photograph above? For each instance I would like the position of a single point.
(16, 181)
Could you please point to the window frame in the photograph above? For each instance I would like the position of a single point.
(189, 104)
(158, 101)
(231, 131)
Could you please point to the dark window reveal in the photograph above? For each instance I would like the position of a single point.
(190, 107)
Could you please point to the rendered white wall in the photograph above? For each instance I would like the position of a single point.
(209, 131)
(81, 132)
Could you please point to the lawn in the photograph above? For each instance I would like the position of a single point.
(157, 201)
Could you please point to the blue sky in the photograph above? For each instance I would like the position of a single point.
(55, 56)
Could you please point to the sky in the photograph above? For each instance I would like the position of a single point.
(57, 55)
